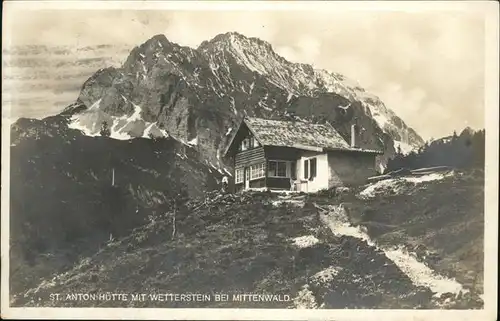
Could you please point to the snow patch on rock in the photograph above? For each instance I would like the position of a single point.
(182, 156)
(120, 135)
(297, 203)
(325, 276)
(420, 274)
(392, 186)
(194, 141)
(147, 131)
(76, 123)
(89, 121)
(427, 178)
(305, 241)
(123, 127)
(405, 148)
(396, 186)
(305, 299)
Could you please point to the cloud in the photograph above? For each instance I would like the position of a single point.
(289, 53)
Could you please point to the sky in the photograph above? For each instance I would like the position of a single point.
(427, 66)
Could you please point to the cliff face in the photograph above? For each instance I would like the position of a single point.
(199, 95)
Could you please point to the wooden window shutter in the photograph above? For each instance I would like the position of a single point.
(313, 167)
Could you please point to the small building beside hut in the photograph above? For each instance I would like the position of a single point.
(296, 155)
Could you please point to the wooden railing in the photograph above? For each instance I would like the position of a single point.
(300, 186)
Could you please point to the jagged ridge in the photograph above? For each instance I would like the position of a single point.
(202, 93)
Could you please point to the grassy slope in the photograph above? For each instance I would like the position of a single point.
(243, 247)
(62, 205)
(237, 247)
(442, 221)
(242, 244)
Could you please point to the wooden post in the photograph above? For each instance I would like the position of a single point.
(353, 135)
(173, 226)
(173, 218)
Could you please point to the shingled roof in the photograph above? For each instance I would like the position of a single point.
(298, 134)
(290, 133)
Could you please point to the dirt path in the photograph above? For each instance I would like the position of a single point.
(336, 219)
(445, 291)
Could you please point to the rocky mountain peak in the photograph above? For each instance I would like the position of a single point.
(234, 39)
(252, 52)
(156, 50)
(198, 95)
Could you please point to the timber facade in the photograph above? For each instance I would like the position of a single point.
(263, 159)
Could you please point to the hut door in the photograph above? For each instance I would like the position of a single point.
(247, 177)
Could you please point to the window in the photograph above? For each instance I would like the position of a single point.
(257, 171)
(277, 169)
(248, 143)
(281, 170)
(271, 169)
(238, 174)
(310, 168)
(244, 144)
(293, 170)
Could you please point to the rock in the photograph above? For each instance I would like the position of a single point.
(190, 94)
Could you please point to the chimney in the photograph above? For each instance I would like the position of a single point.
(353, 135)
